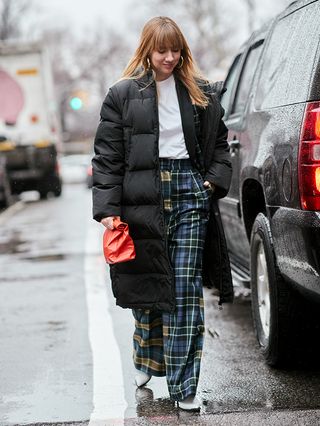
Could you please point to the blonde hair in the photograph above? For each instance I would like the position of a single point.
(159, 33)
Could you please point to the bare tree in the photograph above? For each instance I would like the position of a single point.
(101, 58)
(251, 11)
(258, 13)
(61, 47)
(87, 67)
(12, 13)
(201, 21)
(214, 28)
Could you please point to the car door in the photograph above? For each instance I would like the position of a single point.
(238, 83)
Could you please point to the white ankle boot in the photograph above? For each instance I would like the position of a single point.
(191, 403)
(141, 378)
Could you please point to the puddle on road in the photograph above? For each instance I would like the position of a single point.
(235, 377)
(12, 244)
(32, 278)
(24, 242)
(45, 257)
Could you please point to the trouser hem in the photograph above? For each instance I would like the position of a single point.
(180, 392)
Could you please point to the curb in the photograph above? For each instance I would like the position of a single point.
(11, 211)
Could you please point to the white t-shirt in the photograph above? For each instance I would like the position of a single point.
(171, 139)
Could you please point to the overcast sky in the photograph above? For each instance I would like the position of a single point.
(84, 13)
(82, 17)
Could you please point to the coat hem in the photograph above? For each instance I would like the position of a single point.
(155, 306)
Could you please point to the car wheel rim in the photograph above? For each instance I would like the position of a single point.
(263, 292)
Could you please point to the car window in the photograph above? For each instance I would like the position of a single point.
(225, 99)
(247, 74)
(289, 59)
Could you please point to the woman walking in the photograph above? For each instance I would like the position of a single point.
(161, 162)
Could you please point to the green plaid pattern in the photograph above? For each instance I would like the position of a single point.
(171, 344)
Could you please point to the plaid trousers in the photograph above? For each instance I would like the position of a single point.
(167, 344)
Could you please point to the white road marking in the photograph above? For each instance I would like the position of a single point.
(108, 387)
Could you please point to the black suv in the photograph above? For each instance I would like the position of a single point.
(271, 215)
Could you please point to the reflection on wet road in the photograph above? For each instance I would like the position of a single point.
(66, 348)
(46, 359)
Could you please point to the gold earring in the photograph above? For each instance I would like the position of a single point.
(148, 64)
(180, 65)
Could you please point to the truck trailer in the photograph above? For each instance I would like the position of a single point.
(30, 135)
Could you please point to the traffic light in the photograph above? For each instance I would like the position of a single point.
(76, 103)
(78, 100)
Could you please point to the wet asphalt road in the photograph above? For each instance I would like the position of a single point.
(66, 348)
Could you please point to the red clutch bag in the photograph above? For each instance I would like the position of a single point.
(117, 243)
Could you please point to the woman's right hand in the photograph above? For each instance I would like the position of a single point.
(108, 221)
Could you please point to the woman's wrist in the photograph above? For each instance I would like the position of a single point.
(108, 221)
(209, 185)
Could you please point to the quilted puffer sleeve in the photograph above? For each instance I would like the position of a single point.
(108, 162)
(220, 170)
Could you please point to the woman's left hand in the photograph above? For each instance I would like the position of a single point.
(209, 185)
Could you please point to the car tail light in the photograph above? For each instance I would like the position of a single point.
(57, 168)
(309, 158)
(34, 118)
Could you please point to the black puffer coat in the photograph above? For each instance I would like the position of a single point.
(126, 183)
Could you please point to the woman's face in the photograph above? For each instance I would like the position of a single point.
(163, 62)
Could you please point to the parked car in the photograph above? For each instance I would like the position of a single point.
(5, 188)
(73, 168)
(271, 215)
(89, 179)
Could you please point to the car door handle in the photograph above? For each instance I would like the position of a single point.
(234, 147)
(235, 144)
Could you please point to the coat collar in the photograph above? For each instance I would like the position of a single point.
(187, 118)
(146, 80)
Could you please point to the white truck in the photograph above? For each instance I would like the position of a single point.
(30, 135)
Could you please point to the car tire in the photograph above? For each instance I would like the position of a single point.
(43, 194)
(7, 194)
(273, 302)
(57, 189)
(51, 184)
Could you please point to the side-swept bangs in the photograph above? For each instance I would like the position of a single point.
(162, 33)
(167, 36)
